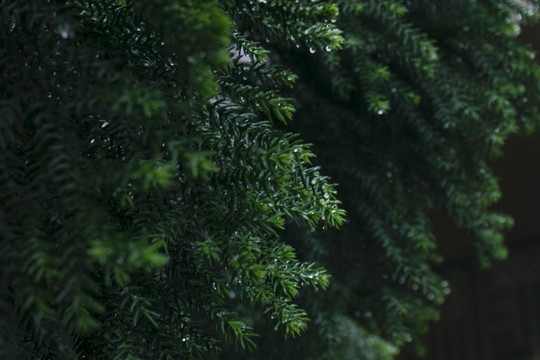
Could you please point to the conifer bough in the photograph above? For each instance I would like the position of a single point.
(155, 203)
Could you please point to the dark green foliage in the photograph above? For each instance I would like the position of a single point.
(139, 197)
(404, 119)
(155, 205)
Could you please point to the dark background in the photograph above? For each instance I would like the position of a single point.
(495, 314)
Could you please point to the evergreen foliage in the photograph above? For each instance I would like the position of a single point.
(142, 182)
(156, 204)
(404, 119)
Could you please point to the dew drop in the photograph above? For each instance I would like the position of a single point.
(311, 50)
(65, 31)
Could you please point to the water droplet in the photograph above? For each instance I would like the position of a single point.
(401, 280)
(328, 48)
(459, 60)
(409, 338)
(311, 50)
(431, 296)
(65, 31)
(92, 141)
(389, 174)
(465, 28)
(524, 99)
(326, 196)
(414, 287)
(105, 124)
(410, 234)
(380, 112)
(368, 314)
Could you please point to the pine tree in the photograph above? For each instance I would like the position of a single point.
(156, 204)
(405, 120)
(143, 184)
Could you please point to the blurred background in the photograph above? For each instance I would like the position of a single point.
(494, 314)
